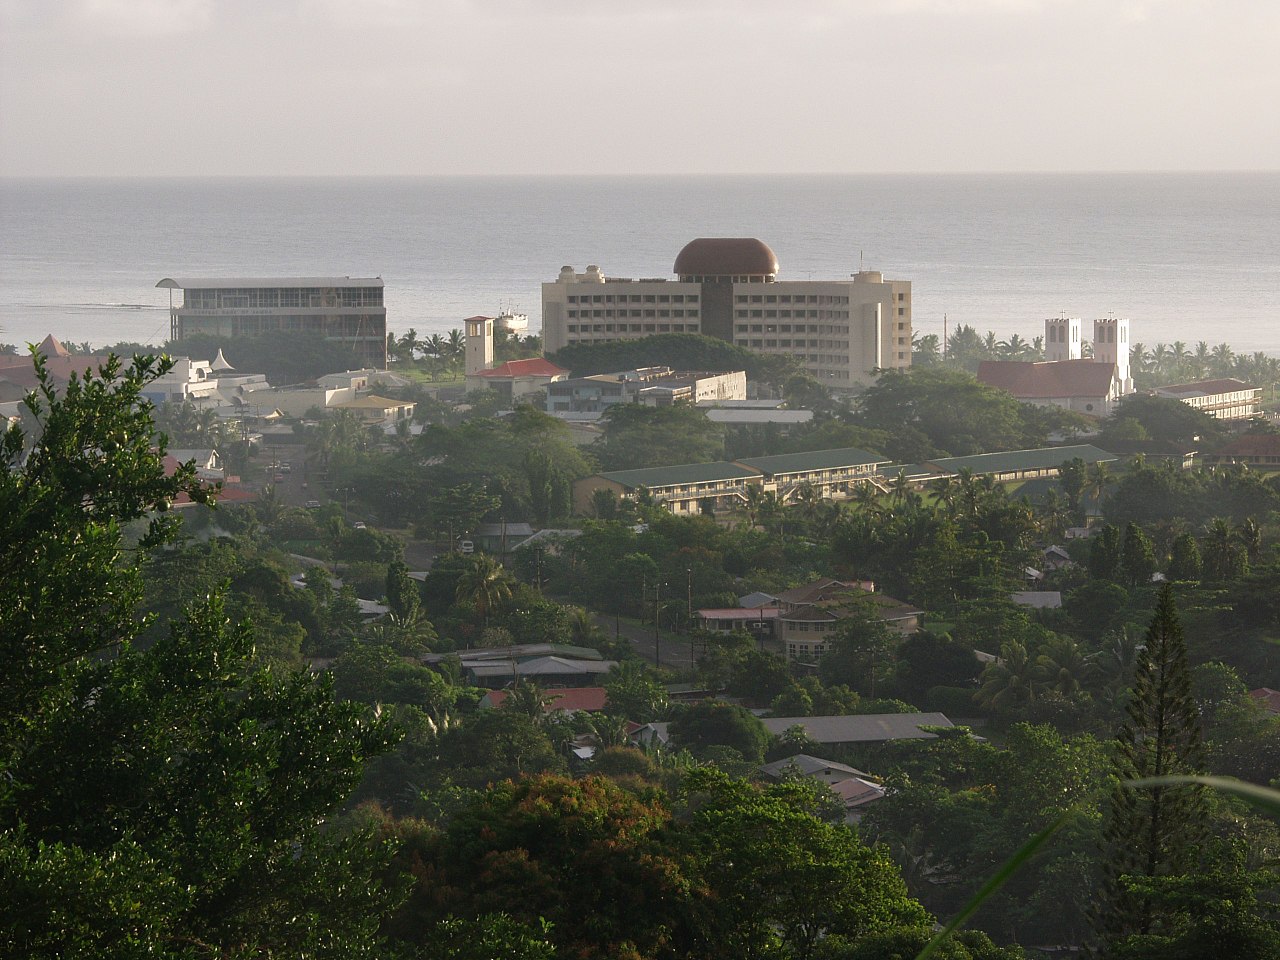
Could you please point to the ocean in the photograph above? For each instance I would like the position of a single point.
(1187, 257)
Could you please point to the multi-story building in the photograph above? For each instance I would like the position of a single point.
(346, 309)
(1222, 399)
(842, 331)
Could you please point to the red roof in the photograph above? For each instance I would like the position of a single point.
(228, 494)
(533, 367)
(1049, 379)
(568, 699)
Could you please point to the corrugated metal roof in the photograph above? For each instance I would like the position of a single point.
(861, 728)
(683, 473)
(1012, 461)
(815, 460)
(224, 283)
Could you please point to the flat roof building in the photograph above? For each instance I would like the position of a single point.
(841, 331)
(345, 309)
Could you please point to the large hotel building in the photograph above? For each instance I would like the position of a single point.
(346, 309)
(840, 330)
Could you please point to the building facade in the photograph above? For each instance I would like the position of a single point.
(1223, 399)
(345, 309)
(655, 386)
(842, 331)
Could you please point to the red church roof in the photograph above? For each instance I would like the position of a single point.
(1047, 380)
(533, 367)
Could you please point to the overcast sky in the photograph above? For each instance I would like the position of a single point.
(196, 87)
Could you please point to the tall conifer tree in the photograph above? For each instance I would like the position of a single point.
(1156, 831)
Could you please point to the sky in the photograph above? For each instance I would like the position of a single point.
(446, 87)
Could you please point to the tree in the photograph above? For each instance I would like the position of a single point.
(1105, 554)
(713, 723)
(163, 801)
(403, 596)
(1137, 556)
(781, 876)
(1184, 558)
(484, 585)
(1152, 832)
(632, 692)
(585, 855)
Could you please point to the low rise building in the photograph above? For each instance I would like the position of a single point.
(1222, 399)
(811, 615)
(655, 386)
(861, 728)
(517, 378)
(1258, 450)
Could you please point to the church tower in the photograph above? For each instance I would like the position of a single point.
(1062, 338)
(1111, 345)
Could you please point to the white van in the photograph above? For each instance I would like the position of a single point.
(466, 547)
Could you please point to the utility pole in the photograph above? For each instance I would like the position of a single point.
(657, 637)
(689, 615)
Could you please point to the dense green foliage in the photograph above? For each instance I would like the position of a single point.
(160, 801)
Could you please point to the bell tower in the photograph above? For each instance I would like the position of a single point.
(1062, 338)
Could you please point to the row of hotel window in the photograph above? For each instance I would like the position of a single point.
(798, 298)
(788, 328)
(801, 314)
(795, 345)
(633, 328)
(584, 314)
(634, 298)
(234, 298)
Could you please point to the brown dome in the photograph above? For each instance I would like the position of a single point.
(726, 257)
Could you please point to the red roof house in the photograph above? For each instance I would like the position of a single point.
(516, 378)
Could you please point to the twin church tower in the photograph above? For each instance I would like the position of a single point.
(1062, 341)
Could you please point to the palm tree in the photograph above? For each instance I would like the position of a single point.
(944, 492)
(1223, 358)
(485, 585)
(1011, 680)
(1250, 536)
(407, 344)
(528, 699)
(1063, 667)
(1202, 359)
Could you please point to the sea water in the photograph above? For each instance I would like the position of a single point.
(1187, 257)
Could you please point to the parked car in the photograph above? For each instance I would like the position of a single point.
(359, 525)
(466, 547)
(313, 504)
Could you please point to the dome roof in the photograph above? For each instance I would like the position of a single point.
(726, 257)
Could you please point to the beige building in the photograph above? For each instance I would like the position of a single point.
(840, 330)
(1223, 399)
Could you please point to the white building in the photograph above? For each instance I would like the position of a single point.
(842, 331)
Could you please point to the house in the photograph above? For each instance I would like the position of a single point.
(852, 787)
(501, 537)
(1266, 698)
(372, 408)
(759, 621)
(549, 671)
(803, 765)
(861, 728)
(1038, 599)
(516, 378)
(562, 700)
(208, 462)
(811, 615)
